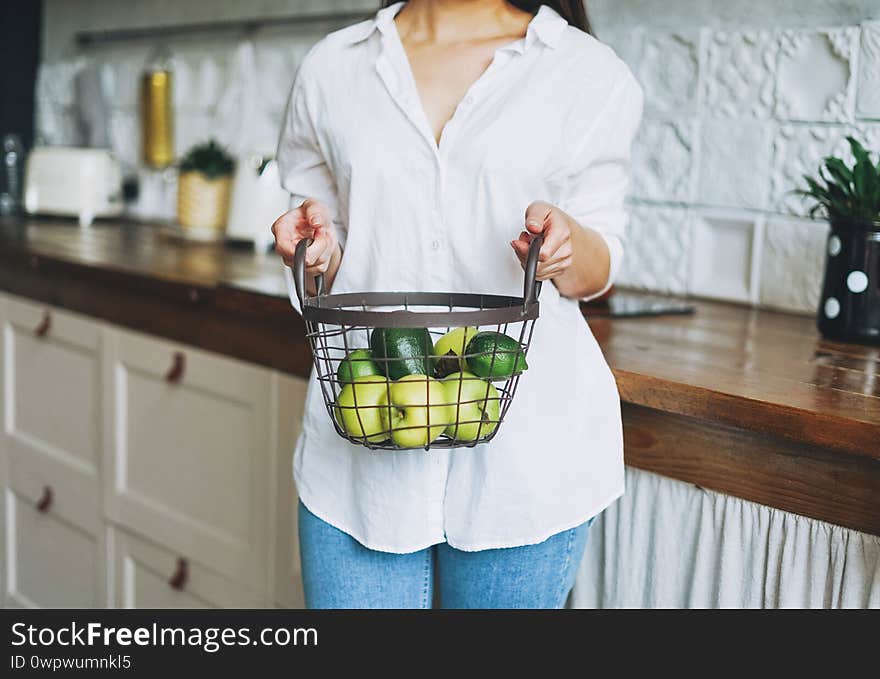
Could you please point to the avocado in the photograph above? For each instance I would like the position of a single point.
(495, 355)
(402, 351)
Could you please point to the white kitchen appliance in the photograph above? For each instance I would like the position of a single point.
(257, 200)
(73, 182)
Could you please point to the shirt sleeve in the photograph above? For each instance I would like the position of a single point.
(303, 165)
(599, 176)
(301, 160)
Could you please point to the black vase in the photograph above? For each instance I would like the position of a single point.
(849, 309)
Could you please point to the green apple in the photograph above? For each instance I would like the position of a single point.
(413, 400)
(449, 349)
(359, 408)
(478, 406)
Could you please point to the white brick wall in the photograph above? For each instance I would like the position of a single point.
(735, 116)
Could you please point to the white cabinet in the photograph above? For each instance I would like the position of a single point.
(125, 458)
(52, 397)
(148, 576)
(51, 436)
(52, 387)
(287, 577)
(188, 452)
(51, 561)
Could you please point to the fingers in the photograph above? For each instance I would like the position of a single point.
(557, 268)
(310, 220)
(320, 252)
(554, 263)
(521, 246)
(556, 235)
(557, 264)
(285, 229)
(543, 218)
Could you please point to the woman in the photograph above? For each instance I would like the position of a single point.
(424, 149)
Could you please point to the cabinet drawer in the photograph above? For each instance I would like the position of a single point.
(51, 388)
(188, 449)
(50, 561)
(148, 576)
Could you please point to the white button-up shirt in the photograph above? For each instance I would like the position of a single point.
(552, 118)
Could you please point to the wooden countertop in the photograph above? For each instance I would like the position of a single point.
(762, 371)
(148, 252)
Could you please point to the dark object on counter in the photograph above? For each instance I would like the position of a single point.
(849, 309)
(11, 175)
(623, 305)
(849, 197)
(131, 188)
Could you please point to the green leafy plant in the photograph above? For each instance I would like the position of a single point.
(843, 193)
(210, 159)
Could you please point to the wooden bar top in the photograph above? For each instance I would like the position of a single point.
(761, 371)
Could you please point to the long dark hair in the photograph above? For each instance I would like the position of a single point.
(573, 11)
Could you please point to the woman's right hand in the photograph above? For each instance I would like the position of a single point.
(309, 220)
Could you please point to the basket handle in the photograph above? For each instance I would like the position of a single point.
(531, 285)
(299, 271)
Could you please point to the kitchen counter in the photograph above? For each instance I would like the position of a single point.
(748, 402)
(140, 276)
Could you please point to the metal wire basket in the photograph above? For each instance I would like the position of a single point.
(418, 370)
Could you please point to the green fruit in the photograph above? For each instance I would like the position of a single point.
(359, 408)
(414, 400)
(358, 363)
(407, 351)
(478, 406)
(495, 355)
(449, 349)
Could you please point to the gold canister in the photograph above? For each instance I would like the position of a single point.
(157, 120)
(203, 205)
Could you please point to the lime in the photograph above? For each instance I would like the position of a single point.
(358, 363)
(495, 355)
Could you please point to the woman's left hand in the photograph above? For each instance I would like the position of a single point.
(556, 253)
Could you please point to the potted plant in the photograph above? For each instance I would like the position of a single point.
(849, 198)
(204, 190)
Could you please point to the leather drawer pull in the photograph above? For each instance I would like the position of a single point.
(45, 325)
(175, 372)
(178, 581)
(45, 501)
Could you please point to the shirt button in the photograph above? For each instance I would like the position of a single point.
(468, 100)
(435, 245)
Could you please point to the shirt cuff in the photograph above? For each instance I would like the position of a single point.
(615, 257)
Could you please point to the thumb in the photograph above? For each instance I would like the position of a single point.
(535, 227)
(536, 217)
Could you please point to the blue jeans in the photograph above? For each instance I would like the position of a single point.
(339, 572)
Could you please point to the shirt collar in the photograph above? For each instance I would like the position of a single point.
(382, 22)
(546, 26)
